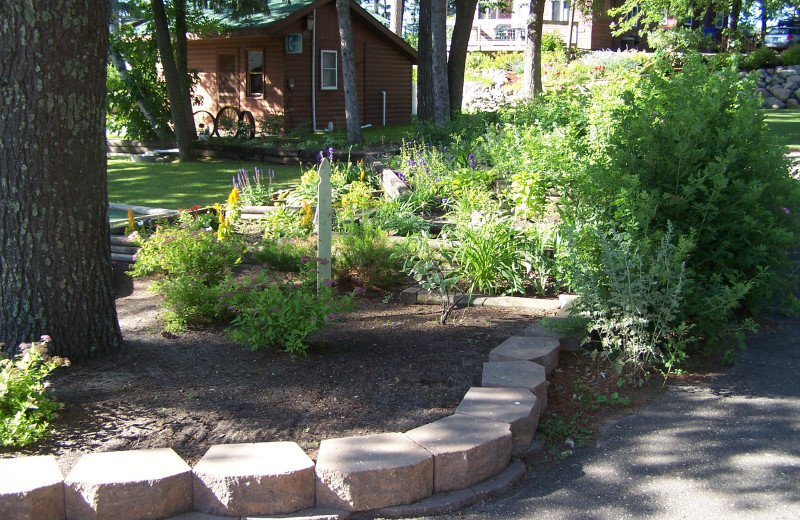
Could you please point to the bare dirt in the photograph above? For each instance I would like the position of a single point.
(384, 367)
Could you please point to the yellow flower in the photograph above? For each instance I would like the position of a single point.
(233, 198)
(131, 223)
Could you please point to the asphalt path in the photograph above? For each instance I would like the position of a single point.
(728, 448)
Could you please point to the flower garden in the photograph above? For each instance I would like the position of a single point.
(656, 195)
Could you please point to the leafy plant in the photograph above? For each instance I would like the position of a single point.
(283, 254)
(25, 409)
(178, 251)
(255, 191)
(761, 57)
(284, 222)
(433, 270)
(190, 301)
(364, 256)
(282, 313)
(559, 432)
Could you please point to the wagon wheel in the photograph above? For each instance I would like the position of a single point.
(226, 121)
(204, 122)
(247, 125)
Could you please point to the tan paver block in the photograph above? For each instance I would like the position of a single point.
(128, 485)
(466, 449)
(515, 406)
(569, 343)
(374, 471)
(31, 488)
(517, 374)
(254, 479)
(542, 350)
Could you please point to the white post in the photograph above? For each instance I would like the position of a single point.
(324, 222)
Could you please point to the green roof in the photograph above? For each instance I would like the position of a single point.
(278, 11)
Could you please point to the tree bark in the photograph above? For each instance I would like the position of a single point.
(459, 43)
(183, 132)
(441, 96)
(396, 23)
(532, 80)
(182, 64)
(424, 64)
(55, 266)
(349, 73)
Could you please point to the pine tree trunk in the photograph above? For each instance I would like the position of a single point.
(396, 23)
(55, 267)
(182, 64)
(172, 78)
(441, 95)
(532, 80)
(459, 43)
(349, 73)
(424, 64)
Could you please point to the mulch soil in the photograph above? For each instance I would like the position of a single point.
(384, 367)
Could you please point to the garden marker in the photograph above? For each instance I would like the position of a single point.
(324, 221)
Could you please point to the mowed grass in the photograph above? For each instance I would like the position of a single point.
(183, 185)
(785, 126)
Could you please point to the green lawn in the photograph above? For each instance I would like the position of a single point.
(182, 185)
(785, 125)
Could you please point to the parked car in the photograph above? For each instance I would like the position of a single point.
(780, 38)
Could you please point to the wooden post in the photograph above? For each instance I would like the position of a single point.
(324, 222)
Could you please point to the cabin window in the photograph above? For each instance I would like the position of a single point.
(328, 63)
(255, 73)
(560, 11)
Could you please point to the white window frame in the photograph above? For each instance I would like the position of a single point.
(249, 73)
(322, 84)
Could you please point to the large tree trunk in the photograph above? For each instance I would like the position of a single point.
(441, 96)
(349, 73)
(396, 23)
(459, 43)
(183, 131)
(55, 266)
(424, 64)
(532, 80)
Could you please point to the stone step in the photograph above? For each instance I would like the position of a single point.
(515, 406)
(371, 472)
(128, 485)
(539, 349)
(31, 488)
(517, 374)
(567, 342)
(253, 479)
(466, 449)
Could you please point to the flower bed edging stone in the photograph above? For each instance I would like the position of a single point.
(132, 497)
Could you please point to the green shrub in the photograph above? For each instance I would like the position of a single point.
(553, 42)
(190, 301)
(282, 313)
(364, 256)
(283, 254)
(791, 56)
(198, 253)
(398, 217)
(25, 409)
(761, 57)
(284, 222)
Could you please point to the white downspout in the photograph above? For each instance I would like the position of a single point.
(383, 112)
(314, 73)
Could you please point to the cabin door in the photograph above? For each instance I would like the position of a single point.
(227, 85)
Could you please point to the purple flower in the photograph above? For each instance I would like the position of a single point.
(401, 176)
(330, 153)
(319, 156)
(46, 338)
(360, 291)
(329, 283)
(322, 261)
(304, 259)
(787, 211)
(332, 317)
(444, 200)
(450, 156)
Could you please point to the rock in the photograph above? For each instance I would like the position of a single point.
(794, 78)
(781, 93)
(792, 103)
(773, 102)
(791, 85)
(31, 488)
(764, 93)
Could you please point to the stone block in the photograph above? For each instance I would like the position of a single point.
(539, 349)
(466, 449)
(31, 488)
(567, 342)
(253, 479)
(515, 406)
(128, 485)
(517, 374)
(371, 472)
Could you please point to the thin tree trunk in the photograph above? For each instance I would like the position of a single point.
(532, 80)
(55, 258)
(764, 20)
(172, 78)
(441, 97)
(459, 43)
(570, 30)
(181, 63)
(425, 98)
(396, 23)
(349, 72)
